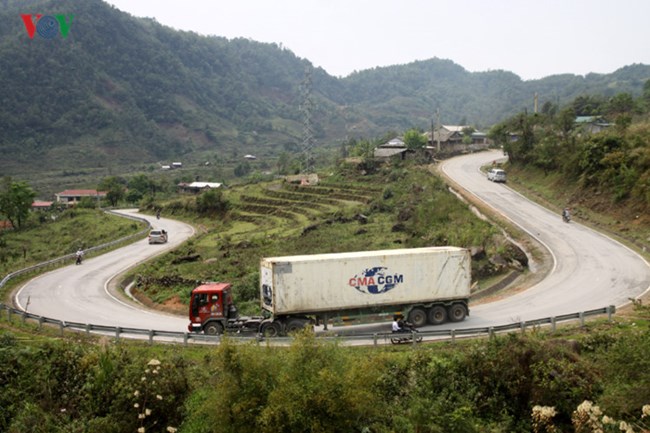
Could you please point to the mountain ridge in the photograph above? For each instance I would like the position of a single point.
(120, 89)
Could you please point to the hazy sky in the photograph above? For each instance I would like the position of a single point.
(532, 38)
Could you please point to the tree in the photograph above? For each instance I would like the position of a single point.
(414, 139)
(114, 188)
(211, 202)
(16, 200)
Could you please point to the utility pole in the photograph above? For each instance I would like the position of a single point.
(438, 126)
(307, 130)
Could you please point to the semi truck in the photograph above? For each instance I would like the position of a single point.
(425, 285)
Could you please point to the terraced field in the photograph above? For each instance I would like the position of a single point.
(281, 207)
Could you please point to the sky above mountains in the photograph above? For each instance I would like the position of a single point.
(532, 38)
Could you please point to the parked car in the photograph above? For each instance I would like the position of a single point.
(157, 236)
(496, 175)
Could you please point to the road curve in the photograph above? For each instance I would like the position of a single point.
(590, 270)
(81, 293)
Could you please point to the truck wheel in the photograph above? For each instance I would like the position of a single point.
(213, 328)
(418, 317)
(271, 329)
(457, 312)
(295, 325)
(437, 315)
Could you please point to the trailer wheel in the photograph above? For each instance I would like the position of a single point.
(437, 315)
(457, 312)
(295, 325)
(418, 317)
(271, 329)
(213, 328)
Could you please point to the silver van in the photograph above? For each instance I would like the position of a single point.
(496, 175)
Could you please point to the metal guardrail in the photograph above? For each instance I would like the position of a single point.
(377, 338)
(187, 337)
(72, 256)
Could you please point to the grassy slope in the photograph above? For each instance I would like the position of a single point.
(399, 208)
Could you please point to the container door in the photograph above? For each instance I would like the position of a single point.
(266, 283)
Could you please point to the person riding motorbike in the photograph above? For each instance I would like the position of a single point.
(399, 325)
(566, 215)
(79, 255)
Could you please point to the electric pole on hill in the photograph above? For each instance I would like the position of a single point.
(307, 131)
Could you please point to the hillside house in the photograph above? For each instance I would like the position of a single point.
(592, 124)
(41, 205)
(451, 139)
(70, 197)
(393, 149)
(196, 187)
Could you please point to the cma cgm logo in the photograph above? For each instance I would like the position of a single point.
(47, 26)
(375, 281)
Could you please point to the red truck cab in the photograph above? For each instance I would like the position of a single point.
(210, 308)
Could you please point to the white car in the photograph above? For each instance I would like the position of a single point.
(157, 237)
(496, 175)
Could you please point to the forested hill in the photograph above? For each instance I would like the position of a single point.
(119, 89)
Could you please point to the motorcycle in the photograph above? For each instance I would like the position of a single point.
(566, 217)
(408, 335)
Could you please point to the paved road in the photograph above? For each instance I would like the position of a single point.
(590, 270)
(80, 293)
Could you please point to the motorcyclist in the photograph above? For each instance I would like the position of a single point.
(399, 325)
(566, 214)
(79, 255)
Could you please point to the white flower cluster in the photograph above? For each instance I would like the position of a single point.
(153, 367)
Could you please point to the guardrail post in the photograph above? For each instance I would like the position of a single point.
(185, 338)
(522, 325)
(413, 338)
(610, 312)
(491, 333)
(9, 315)
(374, 338)
(24, 317)
(553, 324)
(581, 315)
(151, 336)
(87, 328)
(117, 333)
(453, 336)
(61, 327)
(40, 322)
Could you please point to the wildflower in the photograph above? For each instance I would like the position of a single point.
(141, 416)
(623, 426)
(137, 405)
(136, 393)
(141, 430)
(608, 420)
(172, 429)
(159, 397)
(154, 362)
(147, 412)
(645, 410)
(143, 379)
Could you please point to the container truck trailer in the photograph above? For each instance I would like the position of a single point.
(425, 285)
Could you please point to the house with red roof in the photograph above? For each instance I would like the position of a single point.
(41, 205)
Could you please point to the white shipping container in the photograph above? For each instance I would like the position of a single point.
(329, 282)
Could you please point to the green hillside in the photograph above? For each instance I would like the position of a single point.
(121, 91)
